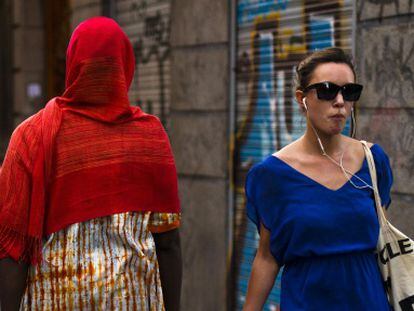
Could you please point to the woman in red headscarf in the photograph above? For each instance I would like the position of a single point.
(89, 208)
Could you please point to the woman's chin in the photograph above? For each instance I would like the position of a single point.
(336, 130)
(333, 130)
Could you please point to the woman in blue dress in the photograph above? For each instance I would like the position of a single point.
(313, 203)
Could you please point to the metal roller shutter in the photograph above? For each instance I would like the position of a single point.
(272, 37)
(147, 24)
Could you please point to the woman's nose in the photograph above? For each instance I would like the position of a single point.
(339, 100)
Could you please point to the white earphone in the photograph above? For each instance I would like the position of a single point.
(304, 103)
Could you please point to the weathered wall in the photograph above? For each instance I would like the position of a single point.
(385, 57)
(28, 68)
(199, 136)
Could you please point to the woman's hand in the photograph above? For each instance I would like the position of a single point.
(264, 272)
(12, 284)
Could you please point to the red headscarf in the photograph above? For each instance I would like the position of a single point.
(88, 154)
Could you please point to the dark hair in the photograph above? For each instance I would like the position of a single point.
(307, 66)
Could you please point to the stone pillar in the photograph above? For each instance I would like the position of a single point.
(199, 136)
(385, 59)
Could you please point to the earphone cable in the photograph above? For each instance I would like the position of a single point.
(340, 164)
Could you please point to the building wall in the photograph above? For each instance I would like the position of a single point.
(30, 57)
(199, 136)
(28, 68)
(385, 59)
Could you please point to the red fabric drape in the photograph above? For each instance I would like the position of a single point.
(88, 154)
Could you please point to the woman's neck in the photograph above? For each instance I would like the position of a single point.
(332, 144)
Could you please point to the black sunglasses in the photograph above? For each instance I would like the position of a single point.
(329, 90)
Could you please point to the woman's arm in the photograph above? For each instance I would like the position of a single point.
(12, 283)
(264, 272)
(169, 260)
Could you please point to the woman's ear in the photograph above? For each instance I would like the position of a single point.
(299, 98)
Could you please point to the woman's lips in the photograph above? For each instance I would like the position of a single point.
(337, 117)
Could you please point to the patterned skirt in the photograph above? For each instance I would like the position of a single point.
(107, 263)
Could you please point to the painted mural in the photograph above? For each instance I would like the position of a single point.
(273, 36)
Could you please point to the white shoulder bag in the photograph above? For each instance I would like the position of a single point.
(395, 252)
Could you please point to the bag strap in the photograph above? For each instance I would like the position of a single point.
(373, 172)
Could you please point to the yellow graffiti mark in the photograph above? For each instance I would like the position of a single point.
(286, 47)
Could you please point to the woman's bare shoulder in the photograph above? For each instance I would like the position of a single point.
(288, 151)
(357, 143)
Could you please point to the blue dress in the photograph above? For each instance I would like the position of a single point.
(324, 238)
